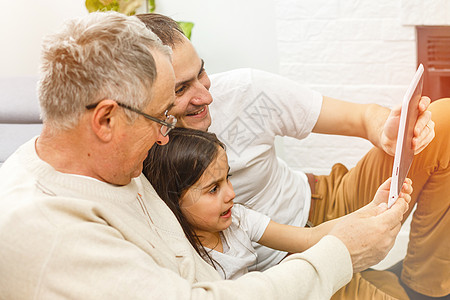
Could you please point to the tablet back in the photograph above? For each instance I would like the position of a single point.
(404, 153)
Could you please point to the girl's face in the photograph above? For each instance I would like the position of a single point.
(207, 204)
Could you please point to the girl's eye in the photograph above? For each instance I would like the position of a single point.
(228, 176)
(214, 189)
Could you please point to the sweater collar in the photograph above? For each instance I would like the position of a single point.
(58, 182)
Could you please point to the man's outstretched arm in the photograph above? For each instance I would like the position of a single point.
(373, 122)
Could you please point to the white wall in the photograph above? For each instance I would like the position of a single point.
(358, 50)
(227, 34)
(22, 27)
(346, 49)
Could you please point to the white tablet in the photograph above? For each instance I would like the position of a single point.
(404, 153)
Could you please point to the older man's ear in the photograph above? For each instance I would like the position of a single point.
(104, 118)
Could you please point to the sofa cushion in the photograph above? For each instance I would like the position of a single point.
(19, 113)
(18, 100)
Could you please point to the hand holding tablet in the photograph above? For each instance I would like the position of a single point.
(404, 153)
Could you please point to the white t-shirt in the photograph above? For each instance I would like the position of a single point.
(250, 108)
(247, 226)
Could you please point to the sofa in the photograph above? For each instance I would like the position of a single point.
(19, 113)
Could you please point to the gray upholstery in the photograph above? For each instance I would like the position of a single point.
(19, 113)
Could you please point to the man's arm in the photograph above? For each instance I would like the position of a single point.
(350, 119)
(373, 122)
(369, 233)
(297, 239)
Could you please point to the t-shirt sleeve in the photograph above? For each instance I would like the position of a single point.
(251, 221)
(263, 102)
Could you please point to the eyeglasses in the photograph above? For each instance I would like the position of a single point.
(167, 125)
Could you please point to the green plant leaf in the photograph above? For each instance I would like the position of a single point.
(187, 28)
(127, 7)
(151, 6)
(98, 5)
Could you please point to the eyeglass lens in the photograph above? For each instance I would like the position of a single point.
(166, 129)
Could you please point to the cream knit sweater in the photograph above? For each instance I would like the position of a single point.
(65, 236)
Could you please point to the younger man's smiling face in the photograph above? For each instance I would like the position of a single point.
(191, 88)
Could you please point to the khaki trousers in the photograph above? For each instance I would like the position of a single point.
(426, 267)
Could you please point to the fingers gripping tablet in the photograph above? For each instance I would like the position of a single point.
(404, 153)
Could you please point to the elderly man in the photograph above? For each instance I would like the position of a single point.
(79, 221)
(251, 107)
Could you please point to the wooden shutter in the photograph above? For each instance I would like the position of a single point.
(434, 54)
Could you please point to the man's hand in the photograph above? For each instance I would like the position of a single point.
(369, 233)
(423, 130)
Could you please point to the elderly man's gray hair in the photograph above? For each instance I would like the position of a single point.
(101, 56)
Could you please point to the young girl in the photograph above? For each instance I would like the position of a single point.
(191, 174)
